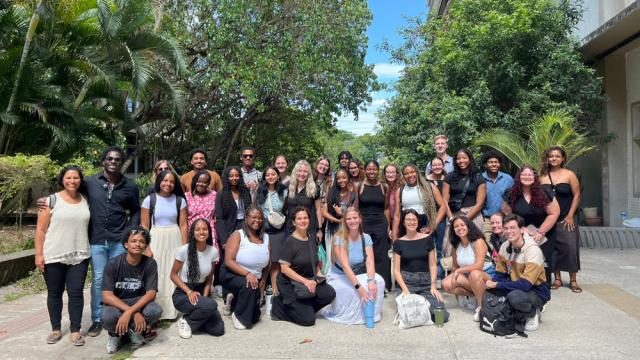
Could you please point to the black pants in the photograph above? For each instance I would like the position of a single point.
(301, 312)
(420, 283)
(523, 302)
(57, 276)
(202, 316)
(111, 314)
(246, 301)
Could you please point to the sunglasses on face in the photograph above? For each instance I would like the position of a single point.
(162, 169)
(247, 156)
(114, 159)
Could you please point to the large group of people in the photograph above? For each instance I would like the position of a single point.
(248, 234)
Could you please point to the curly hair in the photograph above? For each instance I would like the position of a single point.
(544, 161)
(65, 170)
(473, 233)
(539, 197)
(473, 167)
(193, 265)
(195, 178)
(227, 196)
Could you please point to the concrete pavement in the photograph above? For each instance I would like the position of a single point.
(601, 323)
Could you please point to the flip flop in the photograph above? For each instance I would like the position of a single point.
(574, 287)
(557, 283)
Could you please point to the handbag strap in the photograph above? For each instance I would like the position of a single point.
(270, 204)
(313, 257)
(364, 254)
(465, 187)
(553, 186)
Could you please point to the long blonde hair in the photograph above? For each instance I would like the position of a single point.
(426, 192)
(310, 186)
(343, 232)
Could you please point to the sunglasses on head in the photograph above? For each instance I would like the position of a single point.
(138, 231)
(114, 159)
(247, 156)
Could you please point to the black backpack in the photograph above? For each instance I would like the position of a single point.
(496, 316)
(152, 208)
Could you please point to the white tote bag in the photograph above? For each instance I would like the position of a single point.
(413, 310)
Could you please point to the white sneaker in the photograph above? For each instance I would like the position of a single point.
(476, 315)
(236, 323)
(226, 309)
(113, 342)
(472, 304)
(218, 291)
(462, 301)
(184, 330)
(532, 323)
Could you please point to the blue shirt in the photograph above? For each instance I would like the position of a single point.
(355, 250)
(495, 189)
(448, 166)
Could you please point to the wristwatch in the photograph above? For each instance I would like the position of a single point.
(357, 286)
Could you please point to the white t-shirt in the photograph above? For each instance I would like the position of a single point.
(206, 259)
(253, 257)
(164, 213)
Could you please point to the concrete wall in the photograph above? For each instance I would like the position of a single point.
(598, 12)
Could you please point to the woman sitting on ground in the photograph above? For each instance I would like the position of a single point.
(353, 274)
(192, 272)
(470, 259)
(246, 270)
(497, 233)
(414, 262)
(62, 252)
(299, 263)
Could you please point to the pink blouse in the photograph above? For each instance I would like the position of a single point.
(202, 207)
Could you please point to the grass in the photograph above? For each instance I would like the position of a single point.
(34, 284)
(122, 354)
(11, 241)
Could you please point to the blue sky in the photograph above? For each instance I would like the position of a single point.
(388, 17)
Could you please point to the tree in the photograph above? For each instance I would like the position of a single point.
(487, 64)
(554, 129)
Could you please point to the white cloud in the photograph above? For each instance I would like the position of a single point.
(386, 70)
(377, 103)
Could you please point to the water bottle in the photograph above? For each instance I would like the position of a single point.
(438, 311)
(268, 296)
(623, 216)
(369, 311)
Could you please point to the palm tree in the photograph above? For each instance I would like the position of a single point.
(557, 128)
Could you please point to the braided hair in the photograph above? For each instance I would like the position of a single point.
(193, 265)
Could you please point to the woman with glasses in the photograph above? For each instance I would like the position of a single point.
(62, 252)
(164, 212)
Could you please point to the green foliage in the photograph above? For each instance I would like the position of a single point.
(364, 147)
(20, 172)
(32, 284)
(554, 129)
(487, 64)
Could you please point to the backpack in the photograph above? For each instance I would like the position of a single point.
(496, 316)
(152, 207)
(413, 310)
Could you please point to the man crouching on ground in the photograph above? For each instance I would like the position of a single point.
(520, 272)
(128, 290)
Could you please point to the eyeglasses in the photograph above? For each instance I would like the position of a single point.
(247, 156)
(114, 159)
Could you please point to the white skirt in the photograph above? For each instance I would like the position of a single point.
(165, 240)
(347, 308)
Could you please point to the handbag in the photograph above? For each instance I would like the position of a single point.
(412, 310)
(275, 219)
(300, 289)
(361, 267)
(456, 204)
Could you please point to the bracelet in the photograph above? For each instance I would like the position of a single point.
(540, 232)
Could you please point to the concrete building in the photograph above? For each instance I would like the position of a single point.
(609, 33)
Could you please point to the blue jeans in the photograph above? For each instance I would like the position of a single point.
(100, 255)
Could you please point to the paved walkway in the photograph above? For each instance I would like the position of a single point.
(601, 323)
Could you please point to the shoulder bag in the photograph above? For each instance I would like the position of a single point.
(456, 203)
(361, 267)
(300, 289)
(275, 219)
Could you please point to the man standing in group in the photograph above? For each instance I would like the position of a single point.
(199, 162)
(440, 145)
(497, 184)
(250, 174)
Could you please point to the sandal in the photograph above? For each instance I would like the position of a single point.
(574, 287)
(557, 283)
(76, 339)
(54, 337)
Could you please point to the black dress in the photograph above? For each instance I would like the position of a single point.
(374, 223)
(301, 200)
(566, 255)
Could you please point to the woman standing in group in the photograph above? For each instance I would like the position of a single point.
(62, 252)
(565, 186)
(353, 274)
(192, 273)
(375, 218)
(341, 196)
(414, 262)
(464, 190)
(304, 192)
(355, 173)
(322, 175)
(201, 202)
(436, 176)
(282, 164)
(246, 269)
(393, 181)
(470, 259)
(164, 212)
(270, 197)
(299, 271)
(160, 166)
(423, 197)
(529, 200)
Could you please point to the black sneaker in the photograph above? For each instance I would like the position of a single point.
(95, 329)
